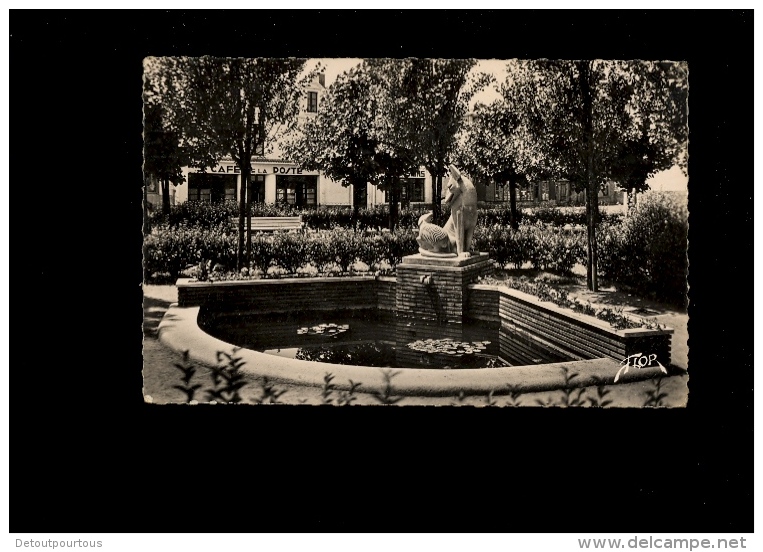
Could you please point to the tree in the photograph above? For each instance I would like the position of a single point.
(397, 154)
(227, 106)
(586, 114)
(431, 101)
(356, 136)
(497, 146)
(576, 115)
(341, 139)
(658, 137)
(163, 158)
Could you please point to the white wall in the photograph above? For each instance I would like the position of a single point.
(329, 191)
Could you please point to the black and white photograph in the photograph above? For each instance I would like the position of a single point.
(527, 231)
(416, 231)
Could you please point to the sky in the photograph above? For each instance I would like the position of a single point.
(336, 66)
(670, 180)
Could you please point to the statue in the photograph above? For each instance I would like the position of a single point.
(462, 197)
(432, 238)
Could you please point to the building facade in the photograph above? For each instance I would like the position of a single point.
(278, 180)
(547, 192)
(282, 182)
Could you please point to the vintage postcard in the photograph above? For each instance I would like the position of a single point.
(445, 232)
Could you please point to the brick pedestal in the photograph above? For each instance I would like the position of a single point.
(436, 289)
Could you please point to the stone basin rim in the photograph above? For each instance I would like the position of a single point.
(179, 330)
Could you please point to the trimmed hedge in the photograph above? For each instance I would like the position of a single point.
(645, 251)
(208, 215)
(544, 246)
(169, 251)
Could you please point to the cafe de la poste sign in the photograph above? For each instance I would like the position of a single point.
(259, 168)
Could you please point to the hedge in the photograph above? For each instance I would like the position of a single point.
(209, 215)
(169, 251)
(645, 251)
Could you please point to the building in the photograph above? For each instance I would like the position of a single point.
(546, 192)
(277, 180)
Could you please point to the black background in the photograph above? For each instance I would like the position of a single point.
(88, 455)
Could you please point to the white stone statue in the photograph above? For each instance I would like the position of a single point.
(455, 238)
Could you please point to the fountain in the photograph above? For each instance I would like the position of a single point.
(435, 308)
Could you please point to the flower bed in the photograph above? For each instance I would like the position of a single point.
(576, 334)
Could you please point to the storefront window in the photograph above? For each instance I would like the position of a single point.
(415, 189)
(300, 191)
(502, 191)
(212, 188)
(362, 195)
(257, 189)
(411, 190)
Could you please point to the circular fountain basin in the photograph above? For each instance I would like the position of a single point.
(180, 331)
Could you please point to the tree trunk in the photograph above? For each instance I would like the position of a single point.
(248, 223)
(394, 197)
(242, 213)
(588, 218)
(165, 196)
(146, 221)
(593, 201)
(591, 183)
(356, 199)
(513, 204)
(437, 197)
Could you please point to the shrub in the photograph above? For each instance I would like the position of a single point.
(318, 252)
(289, 250)
(546, 247)
(398, 245)
(563, 216)
(648, 250)
(170, 251)
(368, 248)
(208, 215)
(345, 246)
(263, 252)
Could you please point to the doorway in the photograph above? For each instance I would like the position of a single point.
(299, 190)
